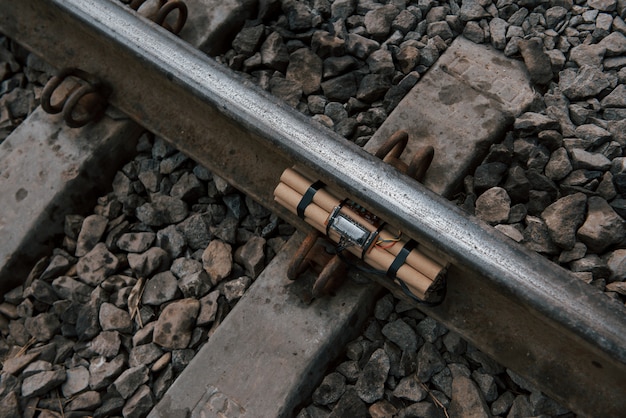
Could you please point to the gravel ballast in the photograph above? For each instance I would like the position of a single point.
(556, 183)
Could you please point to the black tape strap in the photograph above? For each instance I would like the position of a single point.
(307, 198)
(401, 258)
(372, 239)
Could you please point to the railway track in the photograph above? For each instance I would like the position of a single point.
(550, 327)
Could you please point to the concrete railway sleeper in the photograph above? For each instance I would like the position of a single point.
(563, 339)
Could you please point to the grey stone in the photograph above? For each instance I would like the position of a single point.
(43, 326)
(96, 265)
(139, 404)
(591, 55)
(208, 308)
(87, 401)
(593, 264)
(378, 21)
(248, 40)
(532, 123)
(188, 188)
(602, 227)
(298, 14)
(409, 388)
(384, 307)
(408, 57)
(217, 260)
(170, 164)
(474, 32)
(77, 380)
(113, 318)
(382, 409)
(537, 237)
(252, 256)
(577, 252)
(274, 52)
(226, 230)
(41, 383)
(373, 87)
(360, 46)
(326, 45)
(493, 206)
(161, 288)
(501, 405)
(350, 405)
(443, 381)
(130, 380)
(87, 322)
(588, 82)
(171, 240)
(41, 291)
(520, 408)
(181, 358)
(16, 364)
(472, 10)
(487, 385)
(340, 88)
(564, 217)
(162, 210)
(441, 29)
(429, 362)
(175, 324)
(184, 266)
(488, 175)
(152, 261)
(559, 165)
(592, 135)
(234, 289)
(430, 329)
(330, 390)
(136, 242)
(43, 364)
(381, 62)
(102, 372)
(305, 67)
(616, 262)
(467, 400)
(196, 231)
(195, 284)
(582, 159)
(420, 409)
(90, 233)
(617, 98)
(287, 90)
(401, 334)
(106, 344)
(10, 406)
(615, 44)
(371, 384)
(144, 354)
(58, 265)
(150, 174)
(497, 30)
(541, 404)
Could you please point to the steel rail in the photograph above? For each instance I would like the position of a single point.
(248, 137)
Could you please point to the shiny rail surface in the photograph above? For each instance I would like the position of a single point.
(523, 310)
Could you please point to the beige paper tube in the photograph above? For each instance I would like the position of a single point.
(323, 198)
(407, 273)
(415, 259)
(291, 198)
(405, 277)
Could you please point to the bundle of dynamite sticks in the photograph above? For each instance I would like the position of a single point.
(421, 270)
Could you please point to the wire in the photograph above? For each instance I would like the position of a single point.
(390, 242)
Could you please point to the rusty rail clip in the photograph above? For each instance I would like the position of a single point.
(88, 97)
(159, 10)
